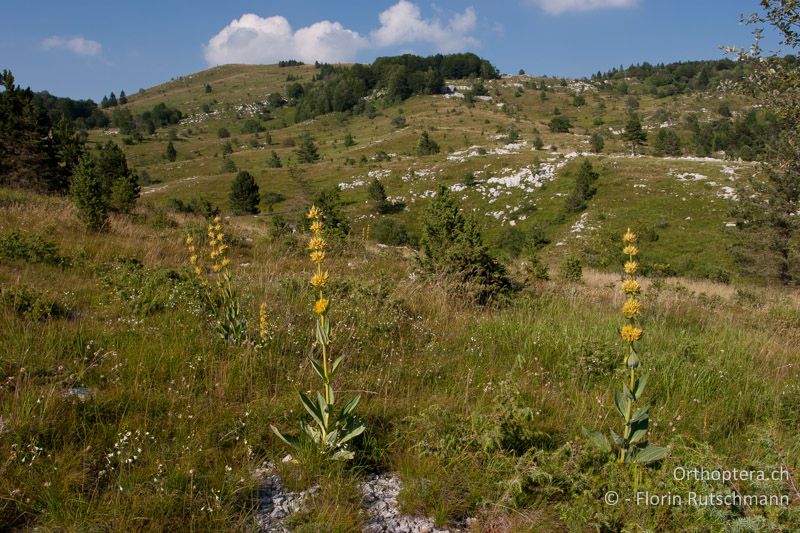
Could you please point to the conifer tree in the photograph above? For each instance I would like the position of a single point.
(124, 193)
(377, 194)
(307, 152)
(244, 195)
(274, 161)
(426, 145)
(111, 166)
(584, 188)
(634, 134)
(452, 245)
(87, 193)
(28, 153)
(597, 142)
(172, 154)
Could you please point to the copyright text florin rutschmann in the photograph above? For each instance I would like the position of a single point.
(710, 499)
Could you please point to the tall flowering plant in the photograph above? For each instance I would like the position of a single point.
(331, 429)
(220, 297)
(631, 446)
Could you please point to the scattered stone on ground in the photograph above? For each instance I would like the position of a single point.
(379, 495)
(379, 499)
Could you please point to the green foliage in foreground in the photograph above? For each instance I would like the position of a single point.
(131, 410)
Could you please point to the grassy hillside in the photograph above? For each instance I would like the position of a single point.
(121, 408)
(650, 189)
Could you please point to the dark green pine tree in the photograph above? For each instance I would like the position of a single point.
(584, 188)
(112, 100)
(426, 145)
(87, 194)
(634, 134)
(274, 161)
(377, 193)
(452, 246)
(28, 153)
(111, 166)
(666, 142)
(329, 201)
(172, 154)
(307, 152)
(123, 99)
(244, 196)
(124, 193)
(597, 142)
(70, 146)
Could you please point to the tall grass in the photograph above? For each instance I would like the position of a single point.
(132, 413)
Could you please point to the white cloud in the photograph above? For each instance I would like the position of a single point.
(78, 45)
(557, 7)
(254, 39)
(403, 24)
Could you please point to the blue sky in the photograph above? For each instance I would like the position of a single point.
(87, 49)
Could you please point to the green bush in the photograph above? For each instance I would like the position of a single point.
(536, 270)
(571, 269)
(31, 248)
(393, 233)
(31, 304)
(228, 165)
(559, 124)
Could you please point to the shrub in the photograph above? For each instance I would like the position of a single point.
(274, 161)
(17, 246)
(559, 124)
(666, 142)
(272, 198)
(584, 188)
(197, 206)
(571, 269)
(223, 133)
(252, 125)
(31, 304)
(377, 194)
(536, 270)
(398, 122)
(329, 202)
(597, 142)
(228, 165)
(391, 232)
